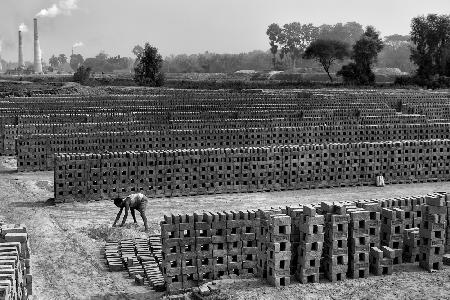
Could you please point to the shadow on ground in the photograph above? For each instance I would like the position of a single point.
(48, 202)
(143, 296)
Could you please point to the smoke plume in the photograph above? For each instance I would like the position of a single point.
(62, 7)
(23, 27)
(1, 45)
(78, 44)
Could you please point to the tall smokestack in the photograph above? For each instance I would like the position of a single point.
(37, 50)
(21, 65)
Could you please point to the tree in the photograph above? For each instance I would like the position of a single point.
(62, 58)
(274, 32)
(326, 52)
(53, 62)
(365, 53)
(349, 32)
(82, 75)
(396, 53)
(137, 50)
(295, 37)
(148, 70)
(76, 60)
(431, 45)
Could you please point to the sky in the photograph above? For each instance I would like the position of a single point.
(188, 26)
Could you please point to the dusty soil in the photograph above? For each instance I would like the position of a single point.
(66, 242)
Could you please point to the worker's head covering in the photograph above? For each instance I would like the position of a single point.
(118, 201)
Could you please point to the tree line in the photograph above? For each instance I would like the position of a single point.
(102, 62)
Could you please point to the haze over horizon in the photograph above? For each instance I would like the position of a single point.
(180, 26)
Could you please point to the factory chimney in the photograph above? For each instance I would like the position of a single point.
(20, 65)
(37, 50)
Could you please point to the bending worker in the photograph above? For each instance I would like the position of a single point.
(133, 202)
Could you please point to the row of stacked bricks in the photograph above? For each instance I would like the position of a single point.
(16, 280)
(203, 247)
(310, 246)
(432, 232)
(274, 247)
(335, 249)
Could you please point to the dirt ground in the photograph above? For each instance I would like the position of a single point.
(66, 242)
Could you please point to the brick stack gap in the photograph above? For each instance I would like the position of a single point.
(335, 249)
(411, 245)
(311, 245)
(432, 232)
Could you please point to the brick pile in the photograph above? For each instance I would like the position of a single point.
(380, 261)
(16, 279)
(278, 249)
(392, 229)
(311, 245)
(138, 259)
(331, 239)
(358, 243)
(335, 250)
(432, 232)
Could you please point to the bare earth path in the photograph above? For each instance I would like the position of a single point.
(67, 261)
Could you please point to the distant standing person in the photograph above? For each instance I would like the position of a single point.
(133, 202)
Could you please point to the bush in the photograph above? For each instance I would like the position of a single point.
(82, 75)
(437, 82)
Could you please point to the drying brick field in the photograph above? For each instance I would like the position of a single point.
(250, 171)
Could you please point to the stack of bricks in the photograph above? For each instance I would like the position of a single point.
(392, 231)
(201, 247)
(380, 261)
(250, 227)
(16, 280)
(358, 243)
(374, 221)
(335, 249)
(233, 242)
(411, 245)
(203, 269)
(432, 232)
(156, 247)
(296, 213)
(112, 256)
(262, 240)
(447, 231)
(173, 254)
(279, 250)
(219, 240)
(130, 260)
(311, 245)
